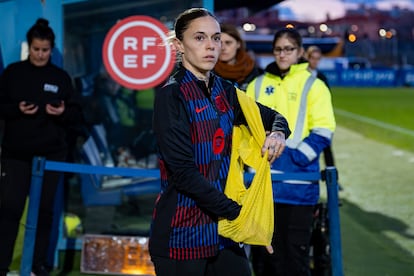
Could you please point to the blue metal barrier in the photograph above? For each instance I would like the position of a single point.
(31, 220)
(40, 165)
(331, 176)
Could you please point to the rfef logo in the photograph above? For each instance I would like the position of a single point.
(137, 54)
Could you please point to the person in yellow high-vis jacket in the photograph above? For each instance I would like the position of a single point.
(305, 101)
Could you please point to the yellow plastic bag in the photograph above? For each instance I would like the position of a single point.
(255, 224)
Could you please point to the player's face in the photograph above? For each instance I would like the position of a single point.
(200, 46)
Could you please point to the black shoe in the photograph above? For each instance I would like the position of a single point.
(41, 271)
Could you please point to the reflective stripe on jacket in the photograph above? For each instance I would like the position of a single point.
(310, 116)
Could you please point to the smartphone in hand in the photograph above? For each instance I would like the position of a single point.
(55, 103)
(27, 103)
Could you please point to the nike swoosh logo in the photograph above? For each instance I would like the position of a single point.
(198, 110)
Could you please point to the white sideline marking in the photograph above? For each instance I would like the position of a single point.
(374, 122)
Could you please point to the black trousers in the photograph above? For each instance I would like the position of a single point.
(293, 224)
(14, 188)
(229, 262)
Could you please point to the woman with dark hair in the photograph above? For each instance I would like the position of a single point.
(194, 115)
(37, 105)
(235, 63)
(289, 87)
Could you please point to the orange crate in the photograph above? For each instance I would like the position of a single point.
(123, 255)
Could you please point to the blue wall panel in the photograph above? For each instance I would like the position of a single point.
(17, 16)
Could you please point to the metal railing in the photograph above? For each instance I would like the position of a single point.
(40, 164)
